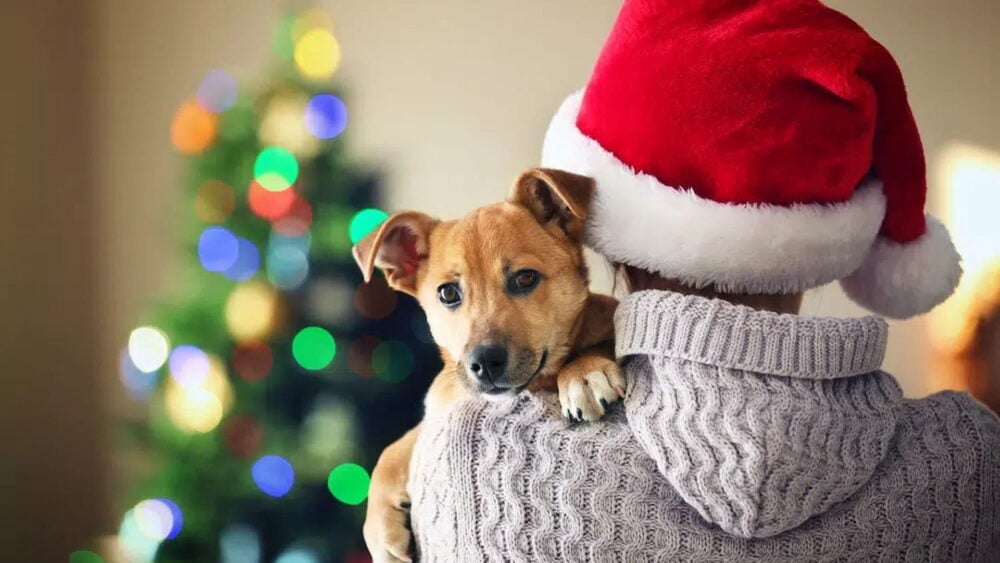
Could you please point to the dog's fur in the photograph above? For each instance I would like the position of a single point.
(557, 335)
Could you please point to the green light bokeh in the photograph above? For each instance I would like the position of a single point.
(392, 361)
(85, 557)
(348, 483)
(364, 222)
(275, 169)
(313, 348)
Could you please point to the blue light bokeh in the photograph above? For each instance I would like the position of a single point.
(274, 475)
(218, 249)
(326, 116)
(247, 261)
(218, 91)
(178, 520)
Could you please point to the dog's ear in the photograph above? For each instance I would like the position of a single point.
(555, 197)
(397, 248)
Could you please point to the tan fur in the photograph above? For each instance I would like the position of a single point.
(559, 337)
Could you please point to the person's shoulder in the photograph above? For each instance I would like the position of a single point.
(950, 422)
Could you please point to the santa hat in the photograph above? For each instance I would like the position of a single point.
(764, 146)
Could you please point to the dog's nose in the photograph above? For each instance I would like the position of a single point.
(488, 363)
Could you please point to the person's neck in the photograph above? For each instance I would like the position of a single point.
(783, 303)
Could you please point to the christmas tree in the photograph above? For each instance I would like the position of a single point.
(273, 376)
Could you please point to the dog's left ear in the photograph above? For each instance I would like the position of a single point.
(555, 197)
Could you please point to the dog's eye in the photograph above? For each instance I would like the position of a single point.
(449, 295)
(523, 281)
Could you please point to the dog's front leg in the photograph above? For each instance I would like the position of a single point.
(387, 526)
(589, 385)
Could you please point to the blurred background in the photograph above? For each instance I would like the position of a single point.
(182, 183)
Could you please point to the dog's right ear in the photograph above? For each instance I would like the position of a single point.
(555, 197)
(397, 248)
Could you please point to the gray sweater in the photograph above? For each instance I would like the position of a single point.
(744, 436)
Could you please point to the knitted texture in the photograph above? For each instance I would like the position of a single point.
(745, 436)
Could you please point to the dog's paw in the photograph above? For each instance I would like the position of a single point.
(387, 531)
(588, 386)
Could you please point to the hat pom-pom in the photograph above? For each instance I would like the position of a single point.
(900, 280)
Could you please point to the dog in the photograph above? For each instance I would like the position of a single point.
(505, 291)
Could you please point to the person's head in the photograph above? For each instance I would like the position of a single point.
(767, 150)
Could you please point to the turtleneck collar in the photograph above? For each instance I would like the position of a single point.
(718, 333)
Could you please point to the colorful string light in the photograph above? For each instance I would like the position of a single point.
(298, 555)
(317, 54)
(267, 204)
(273, 475)
(275, 169)
(252, 311)
(239, 543)
(148, 347)
(193, 128)
(326, 116)
(364, 222)
(247, 261)
(218, 91)
(214, 202)
(138, 383)
(252, 360)
(218, 249)
(392, 361)
(198, 408)
(348, 483)
(188, 365)
(313, 348)
(375, 299)
(242, 436)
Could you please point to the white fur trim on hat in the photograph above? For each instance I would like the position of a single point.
(900, 280)
(740, 248)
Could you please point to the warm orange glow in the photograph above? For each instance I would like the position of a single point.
(194, 128)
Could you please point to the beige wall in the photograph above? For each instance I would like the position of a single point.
(453, 97)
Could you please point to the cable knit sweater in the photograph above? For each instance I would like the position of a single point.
(744, 436)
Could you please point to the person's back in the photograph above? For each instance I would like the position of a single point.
(745, 436)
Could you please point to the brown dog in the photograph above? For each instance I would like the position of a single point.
(506, 297)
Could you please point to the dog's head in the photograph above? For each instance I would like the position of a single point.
(504, 287)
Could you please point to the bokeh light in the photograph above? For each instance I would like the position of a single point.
(138, 383)
(214, 202)
(242, 436)
(252, 360)
(329, 433)
(364, 222)
(392, 361)
(283, 125)
(252, 311)
(360, 556)
(194, 128)
(218, 91)
(148, 347)
(298, 555)
(359, 355)
(330, 300)
(247, 261)
(296, 221)
(85, 557)
(158, 519)
(239, 543)
(275, 169)
(314, 348)
(198, 408)
(375, 299)
(188, 365)
(307, 20)
(135, 546)
(326, 116)
(348, 483)
(317, 54)
(287, 267)
(218, 249)
(177, 524)
(274, 475)
(267, 204)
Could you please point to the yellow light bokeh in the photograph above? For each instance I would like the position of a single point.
(194, 128)
(252, 311)
(215, 201)
(284, 125)
(199, 408)
(317, 54)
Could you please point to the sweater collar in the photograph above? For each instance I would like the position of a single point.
(718, 333)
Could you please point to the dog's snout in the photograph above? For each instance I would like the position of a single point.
(488, 364)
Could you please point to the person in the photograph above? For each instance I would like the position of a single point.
(743, 152)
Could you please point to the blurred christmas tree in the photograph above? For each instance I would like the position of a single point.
(274, 377)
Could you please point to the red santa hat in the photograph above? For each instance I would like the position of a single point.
(764, 146)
